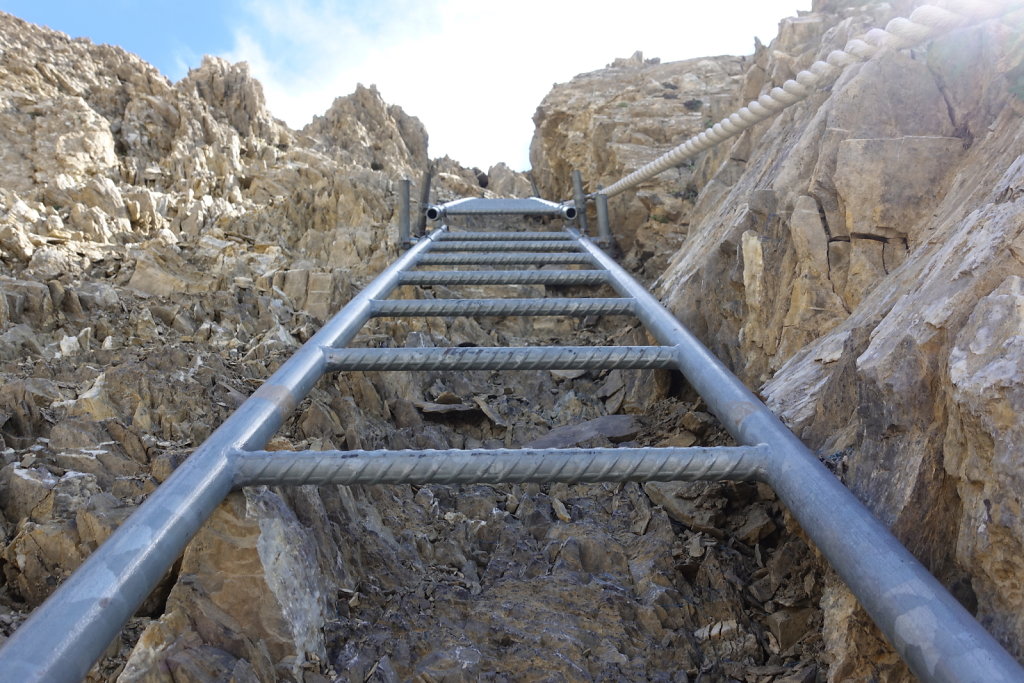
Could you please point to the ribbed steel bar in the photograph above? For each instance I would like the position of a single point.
(505, 277)
(490, 307)
(505, 245)
(506, 259)
(934, 634)
(510, 235)
(504, 465)
(502, 358)
(73, 627)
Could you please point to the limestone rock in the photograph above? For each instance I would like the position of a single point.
(987, 388)
(236, 97)
(614, 428)
(362, 127)
(246, 588)
(164, 246)
(607, 122)
(859, 253)
(504, 182)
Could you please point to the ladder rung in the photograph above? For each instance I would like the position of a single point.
(503, 358)
(488, 307)
(479, 206)
(504, 277)
(525, 258)
(505, 245)
(479, 236)
(544, 465)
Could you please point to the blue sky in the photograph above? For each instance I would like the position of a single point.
(472, 71)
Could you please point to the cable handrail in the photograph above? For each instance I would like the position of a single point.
(924, 23)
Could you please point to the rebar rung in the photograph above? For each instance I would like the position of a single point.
(482, 236)
(493, 466)
(525, 258)
(502, 358)
(491, 307)
(505, 245)
(504, 277)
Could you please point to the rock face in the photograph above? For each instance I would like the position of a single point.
(613, 120)
(857, 257)
(165, 246)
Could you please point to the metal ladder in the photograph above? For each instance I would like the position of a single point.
(936, 636)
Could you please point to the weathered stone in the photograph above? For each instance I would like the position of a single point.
(614, 428)
(789, 626)
(248, 565)
(25, 492)
(505, 182)
(886, 185)
(987, 393)
(884, 320)
(606, 122)
(14, 239)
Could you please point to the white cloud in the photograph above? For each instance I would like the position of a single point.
(474, 72)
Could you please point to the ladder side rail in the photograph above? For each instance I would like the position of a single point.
(927, 626)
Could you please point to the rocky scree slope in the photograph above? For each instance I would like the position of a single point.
(164, 247)
(858, 258)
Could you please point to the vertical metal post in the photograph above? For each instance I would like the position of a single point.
(604, 231)
(580, 200)
(403, 212)
(421, 223)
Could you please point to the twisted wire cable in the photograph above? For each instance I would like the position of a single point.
(924, 23)
(508, 465)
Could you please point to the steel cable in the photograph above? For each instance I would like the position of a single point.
(924, 23)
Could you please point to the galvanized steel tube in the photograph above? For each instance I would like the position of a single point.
(930, 630)
(473, 206)
(404, 228)
(604, 231)
(71, 629)
(579, 201)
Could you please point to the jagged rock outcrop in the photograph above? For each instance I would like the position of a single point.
(164, 247)
(857, 258)
(504, 182)
(606, 122)
(362, 129)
